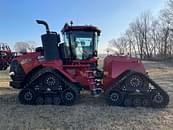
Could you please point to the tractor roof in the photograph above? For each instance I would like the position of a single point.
(67, 28)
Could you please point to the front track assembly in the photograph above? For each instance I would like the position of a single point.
(49, 87)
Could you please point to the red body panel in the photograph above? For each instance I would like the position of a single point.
(28, 61)
(76, 72)
(114, 66)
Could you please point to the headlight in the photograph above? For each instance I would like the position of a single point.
(11, 74)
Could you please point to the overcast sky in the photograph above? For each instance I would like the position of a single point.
(17, 17)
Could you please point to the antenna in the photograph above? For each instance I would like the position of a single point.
(71, 23)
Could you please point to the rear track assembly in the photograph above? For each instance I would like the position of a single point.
(136, 89)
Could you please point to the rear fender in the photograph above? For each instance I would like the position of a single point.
(121, 78)
(113, 82)
(116, 66)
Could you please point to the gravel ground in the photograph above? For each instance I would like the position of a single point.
(90, 113)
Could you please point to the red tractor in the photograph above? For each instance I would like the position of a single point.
(6, 56)
(57, 72)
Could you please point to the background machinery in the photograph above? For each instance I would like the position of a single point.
(57, 72)
(6, 56)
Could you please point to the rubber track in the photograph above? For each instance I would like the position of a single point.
(116, 85)
(43, 71)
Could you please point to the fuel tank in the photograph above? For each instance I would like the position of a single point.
(114, 66)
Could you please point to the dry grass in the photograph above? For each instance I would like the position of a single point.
(90, 113)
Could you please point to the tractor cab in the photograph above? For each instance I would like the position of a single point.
(80, 42)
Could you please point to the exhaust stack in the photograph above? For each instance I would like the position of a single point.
(50, 42)
(45, 24)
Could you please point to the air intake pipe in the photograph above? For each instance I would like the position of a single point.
(50, 42)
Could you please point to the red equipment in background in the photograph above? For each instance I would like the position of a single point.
(57, 72)
(6, 56)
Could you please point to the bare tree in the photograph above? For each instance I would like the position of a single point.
(148, 37)
(120, 44)
(23, 47)
(131, 42)
(166, 18)
(4, 47)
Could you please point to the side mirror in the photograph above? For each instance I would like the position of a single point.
(95, 53)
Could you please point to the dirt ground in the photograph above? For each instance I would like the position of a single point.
(89, 113)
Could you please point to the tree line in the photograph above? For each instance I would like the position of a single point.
(148, 36)
(19, 47)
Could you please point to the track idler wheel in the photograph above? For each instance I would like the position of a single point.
(128, 102)
(27, 96)
(56, 100)
(69, 96)
(48, 100)
(137, 102)
(114, 97)
(159, 99)
(145, 102)
(39, 100)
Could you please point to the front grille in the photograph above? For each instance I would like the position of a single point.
(19, 73)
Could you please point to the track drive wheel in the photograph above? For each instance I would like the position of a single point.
(134, 81)
(27, 96)
(159, 99)
(50, 80)
(114, 97)
(137, 102)
(69, 96)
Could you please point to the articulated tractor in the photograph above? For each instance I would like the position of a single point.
(58, 72)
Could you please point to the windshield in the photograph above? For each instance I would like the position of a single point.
(83, 44)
